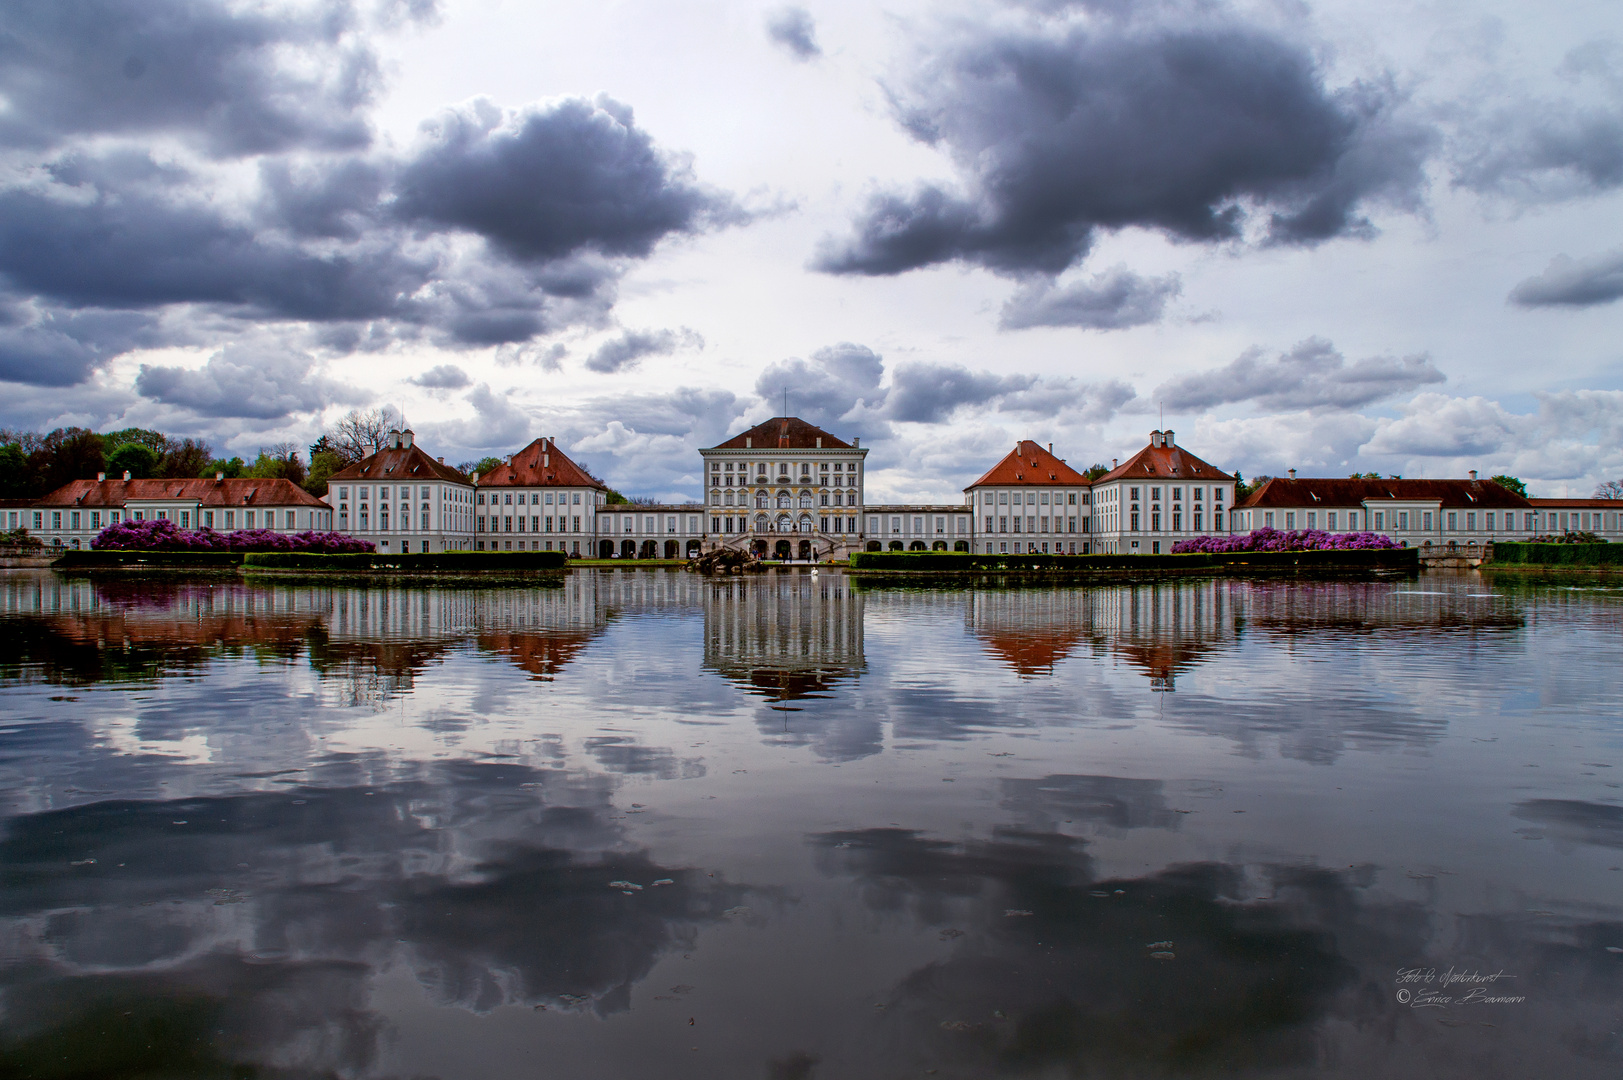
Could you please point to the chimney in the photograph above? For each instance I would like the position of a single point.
(855, 443)
(442, 461)
(1166, 438)
(126, 474)
(1114, 462)
(406, 437)
(546, 461)
(475, 478)
(101, 477)
(1473, 475)
(1155, 438)
(219, 477)
(1291, 473)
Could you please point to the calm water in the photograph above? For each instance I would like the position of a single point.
(648, 825)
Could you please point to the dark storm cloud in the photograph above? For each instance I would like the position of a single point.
(792, 28)
(1311, 375)
(220, 76)
(61, 348)
(1569, 282)
(443, 377)
(827, 387)
(1059, 131)
(623, 352)
(1114, 300)
(248, 380)
(551, 181)
(931, 393)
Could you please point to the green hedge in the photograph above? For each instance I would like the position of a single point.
(962, 562)
(90, 559)
(419, 562)
(1557, 554)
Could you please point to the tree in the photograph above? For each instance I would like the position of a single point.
(66, 455)
(232, 469)
(359, 434)
(1610, 489)
(1243, 490)
(279, 462)
(323, 463)
(1096, 470)
(1510, 482)
(137, 459)
(616, 499)
(482, 466)
(1365, 476)
(187, 458)
(15, 479)
(156, 441)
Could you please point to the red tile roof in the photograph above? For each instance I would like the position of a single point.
(541, 464)
(1579, 504)
(1314, 491)
(205, 492)
(1029, 465)
(397, 463)
(783, 433)
(1164, 462)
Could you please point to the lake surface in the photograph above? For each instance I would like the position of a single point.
(652, 825)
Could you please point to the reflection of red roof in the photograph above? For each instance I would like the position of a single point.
(541, 464)
(784, 433)
(1156, 462)
(541, 654)
(1030, 465)
(1310, 491)
(1034, 652)
(205, 492)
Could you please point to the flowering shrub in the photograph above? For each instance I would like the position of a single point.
(165, 535)
(1276, 540)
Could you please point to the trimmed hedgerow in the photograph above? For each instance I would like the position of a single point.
(960, 562)
(1518, 554)
(420, 562)
(165, 535)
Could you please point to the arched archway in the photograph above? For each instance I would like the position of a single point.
(939, 545)
(605, 550)
(781, 549)
(758, 547)
(650, 549)
(694, 548)
(672, 549)
(806, 550)
(874, 545)
(895, 545)
(960, 545)
(628, 549)
(917, 545)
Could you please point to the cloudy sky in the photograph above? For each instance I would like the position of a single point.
(1321, 235)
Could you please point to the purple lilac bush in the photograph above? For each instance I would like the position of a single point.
(165, 535)
(1277, 540)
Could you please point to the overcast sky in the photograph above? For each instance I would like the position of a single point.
(1332, 236)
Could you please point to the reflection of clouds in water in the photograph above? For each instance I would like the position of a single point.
(492, 881)
(1575, 820)
(1316, 723)
(1118, 802)
(619, 754)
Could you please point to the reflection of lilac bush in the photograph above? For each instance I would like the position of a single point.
(1275, 540)
(165, 535)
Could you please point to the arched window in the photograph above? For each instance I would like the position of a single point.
(806, 500)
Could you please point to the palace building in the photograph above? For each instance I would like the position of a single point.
(403, 500)
(1033, 500)
(1161, 495)
(552, 502)
(72, 515)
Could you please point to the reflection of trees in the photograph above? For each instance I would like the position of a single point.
(246, 928)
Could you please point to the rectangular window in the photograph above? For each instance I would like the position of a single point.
(230, 519)
(95, 519)
(479, 523)
(185, 519)
(1155, 493)
(1003, 498)
(1133, 519)
(1198, 525)
(1312, 520)
(1425, 519)
(74, 518)
(1290, 519)
(1453, 521)
(576, 522)
(1329, 521)
(1487, 519)
(1198, 493)
(1403, 520)
(1470, 522)
(1177, 523)
(1268, 519)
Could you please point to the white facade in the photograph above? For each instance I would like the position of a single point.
(1162, 495)
(403, 500)
(71, 516)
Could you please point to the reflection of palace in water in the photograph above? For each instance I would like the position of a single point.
(784, 636)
